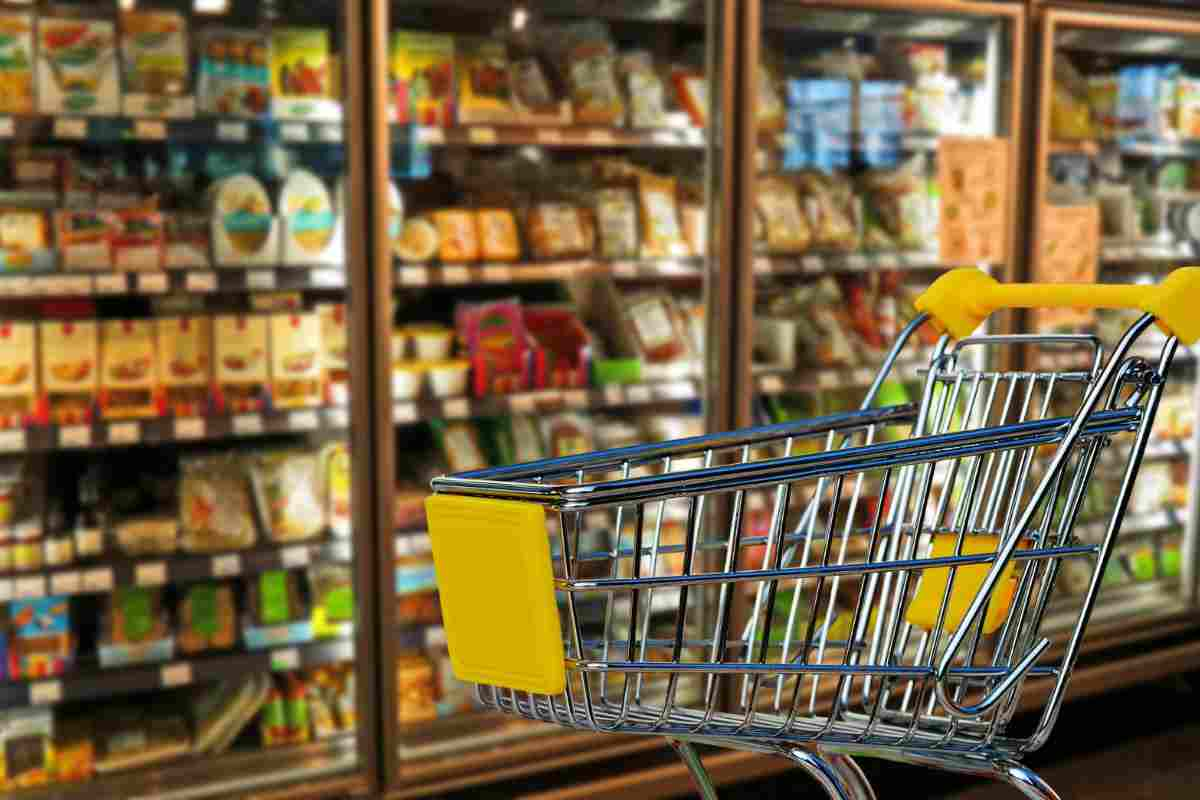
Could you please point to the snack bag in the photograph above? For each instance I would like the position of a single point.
(786, 228)
(215, 506)
(77, 66)
(287, 489)
(484, 94)
(589, 64)
(498, 239)
(421, 77)
(155, 60)
(661, 234)
(617, 223)
(233, 77)
(16, 63)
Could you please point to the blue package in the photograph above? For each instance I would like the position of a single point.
(881, 107)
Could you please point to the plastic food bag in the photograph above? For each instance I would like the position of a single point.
(287, 487)
(617, 223)
(787, 230)
(831, 226)
(897, 201)
(215, 505)
(207, 618)
(661, 233)
(589, 64)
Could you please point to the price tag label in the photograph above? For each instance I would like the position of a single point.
(681, 390)
(98, 580)
(124, 433)
(76, 285)
(232, 131)
(666, 138)
(404, 413)
(639, 394)
(152, 282)
(43, 693)
(31, 587)
(576, 398)
(863, 377)
(624, 269)
(828, 379)
(150, 129)
(550, 136)
(6, 591)
(770, 384)
(303, 420)
(16, 287)
(12, 440)
(327, 278)
(176, 674)
(812, 263)
(201, 282)
(189, 428)
(481, 135)
(329, 132)
(887, 261)
(7, 128)
(153, 573)
(285, 659)
(601, 136)
(496, 273)
(762, 264)
(247, 424)
(65, 583)
(70, 128)
(521, 404)
(260, 280)
(428, 135)
(226, 565)
(614, 396)
(856, 261)
(457, 408)
(337, 418)
(111, 284)
(54, 286)
(294, 132)
(456, 275)
(294, 557)
(75, 436)
(412, 276)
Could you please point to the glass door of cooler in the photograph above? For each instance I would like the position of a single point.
(1117, 172)
(181, 541)
(551, 221)
(881, 150)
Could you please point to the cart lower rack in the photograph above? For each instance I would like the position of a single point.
(868, 583)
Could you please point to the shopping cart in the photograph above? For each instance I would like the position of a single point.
(867, 583)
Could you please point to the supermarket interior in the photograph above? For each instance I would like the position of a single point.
(282, 265)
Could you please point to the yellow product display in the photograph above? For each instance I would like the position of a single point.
(968, 580)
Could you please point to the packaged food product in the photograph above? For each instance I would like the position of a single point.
(590, 68)
(653, 320)
(335, 352)
(483, 80)
(320, 707)
(898, 200)
(1102, 94)
(691, 88)
(128, 369)
(16, 63)
(301, 70)
(526, 439)
(430, 341)
(241, 218)
(422, 77)
(415, 689)
(69, 356)
(26, 747)
(462, 446)
(345, 703)
(973, 191)
(40, 643)
(457, 235)
(787, 230)
(207, 618)
(18, 373)
(448, 378)
(408, 507)
(407, 380)
(332, 589)
(307, 209)
(85, 238)
(287, 488)
(533, 97)
(567, 435)
(272, 720)
(149, 534)
(498, 240)
(563, 346)
(395, 217)
(1070, 115)
(769, 108)
(215, 507)
(74, 750)
(693, 219)
(184, 363)
(221, 710)
(645, 89)
(498, 345)
(77, 66)
(185, 240)
(336, 475)
(155, 62)
(296, 360)
(233, 77)
(276, 611)
(617, 223)
(240, 343)
(140, 737)
(661, 236)
(136, 629)
(453, 696)
(418, 242)
(557, 230)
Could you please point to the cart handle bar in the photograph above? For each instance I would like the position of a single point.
(962, 299)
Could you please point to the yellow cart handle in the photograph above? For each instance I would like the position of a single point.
(962, 299)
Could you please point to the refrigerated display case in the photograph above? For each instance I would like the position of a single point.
(185, 584)
(559, 284)
(1112, 187)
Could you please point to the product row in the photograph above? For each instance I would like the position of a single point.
(40, 746)
(241, 227)
(48, 636)
(1150, 100)
(142, 64)
(205, 503)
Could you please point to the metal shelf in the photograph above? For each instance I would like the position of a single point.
(100, 576)
(824, 263)
(555, 136)
(207, 281)
(99, 684)
(196, 130)
(1120, 252)
(422, 275)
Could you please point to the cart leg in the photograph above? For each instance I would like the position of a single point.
(838, 775)
(1022, 778)
(695, 766)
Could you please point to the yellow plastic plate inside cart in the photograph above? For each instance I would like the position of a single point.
(496, 586)
(968, 580)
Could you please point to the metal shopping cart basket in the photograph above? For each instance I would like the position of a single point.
(868, 583)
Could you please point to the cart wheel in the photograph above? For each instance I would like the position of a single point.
(695, 766)
(1022, 778)
(840, 776)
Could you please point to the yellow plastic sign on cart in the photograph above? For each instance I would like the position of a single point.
(496, 586)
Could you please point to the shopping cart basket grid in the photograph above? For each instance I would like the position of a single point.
(866, 583)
